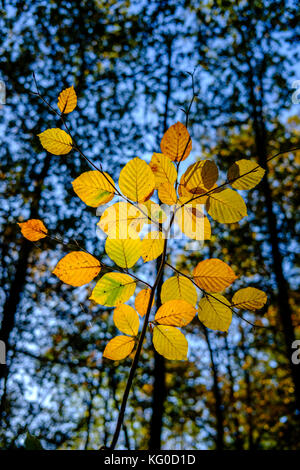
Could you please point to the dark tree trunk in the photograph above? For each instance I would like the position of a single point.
(232, 407)
(17, 285)
(217, 396)
(284, 308)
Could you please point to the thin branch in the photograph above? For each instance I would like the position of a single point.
(137, 353)
(227, 182)
(209, 294)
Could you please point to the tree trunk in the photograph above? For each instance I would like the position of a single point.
(217, 396)
(284, 308)
(17, 285)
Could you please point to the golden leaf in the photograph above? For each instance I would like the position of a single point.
(94, 188)
(167, 194)
(126, 320)
(163, 169)
(213, 275)
(226, 206)
(170, 342)
(178, 288)
(124, 252)
(33, 229)
(249, 298)
(248, 181)
(122, 220)
(192, 222)
(215, 313)
(67, 100)
(176, 143)
(136, 180)
(118, 348)
(56, 141)
(175, 313)
(142, 301)
(152, 245)
(77, 268)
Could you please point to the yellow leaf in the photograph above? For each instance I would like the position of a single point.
(170, 342)
(113, 289)
(192, 222)
(167, 194)
(154, 211)
(176, 143)
(186, 196)
(215, 313)
(118, 348)
(242, 167)
(142, 301)
(163, 169)
(178, 288)
(213, 275)
(200, 176)
(126, 320)
(122, 220)
(33, 229)
(124, 252)
(226, 206)
(67, 100)
(249, 298)
(152, 245)
(136, 180)
(56, 141)
(77, 268)
(175, 313)
(94, 188)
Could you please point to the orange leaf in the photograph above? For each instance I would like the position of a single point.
(33, 229)
(213, 275)
(142, 301)
(176, 142)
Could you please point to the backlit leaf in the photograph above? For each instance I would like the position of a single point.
(56, 141)
(124, 252)
(94, 188)
(248, 181)
(33, 229)
(126, 320)
(142, 301)
(113, 289)
(170, 342)
(77, 268)
(176, 143)
(152, 245)
(213, 275)
(67, 100)
(122, 220)
(215, 313)
(167, 194)
(154, 212)
(163, 169)
(226, 206)
(175, 313)
(249, 298)
(199, 176)
(178, 288)
(119, 347)
(136, 180)
(192, 222)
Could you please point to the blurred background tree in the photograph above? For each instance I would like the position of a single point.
(128, 61)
